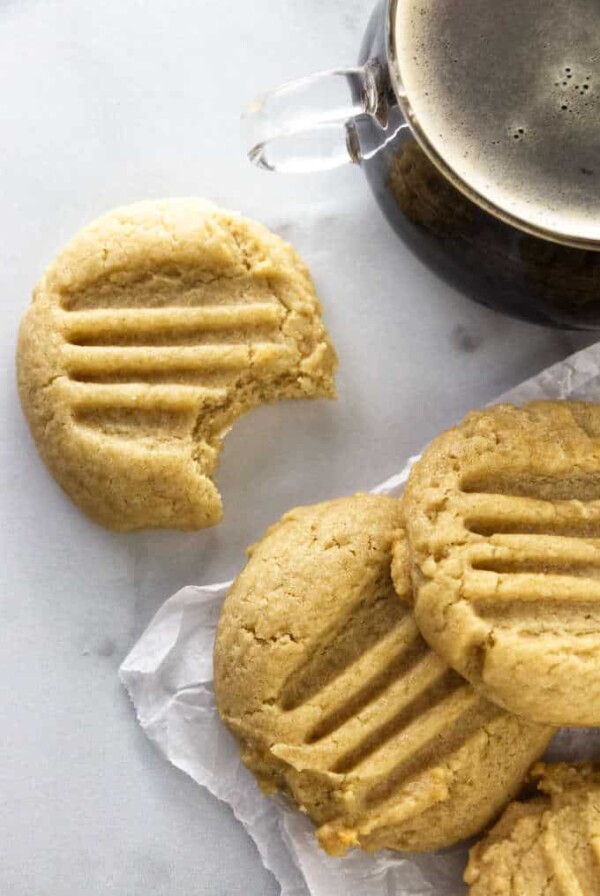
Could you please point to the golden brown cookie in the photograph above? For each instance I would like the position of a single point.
(153, 330)
(334, 698)
(503, 522)
(547, 846)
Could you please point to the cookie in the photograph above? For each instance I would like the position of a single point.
(547, 846)
(503, 521)
(153, 330)
(335, 699)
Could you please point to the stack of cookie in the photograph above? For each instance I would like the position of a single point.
(396, 667)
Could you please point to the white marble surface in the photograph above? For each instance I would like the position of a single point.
(106, 103)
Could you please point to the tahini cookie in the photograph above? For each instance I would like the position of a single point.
(503, 522)
(335, 699)
(548, 845)
(153, 330)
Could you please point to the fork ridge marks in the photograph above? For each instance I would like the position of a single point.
(547, 846)
(334, 697)
(153, 330)
(503, 522)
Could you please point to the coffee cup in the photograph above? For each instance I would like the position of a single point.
(477, 125)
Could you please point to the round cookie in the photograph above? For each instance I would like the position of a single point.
(335, 699)
(547, 846)
(152, 331)
(502, 516)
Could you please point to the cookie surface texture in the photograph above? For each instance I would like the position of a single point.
(152, 331)
(547, 846)
(503, 521)
(335, 700)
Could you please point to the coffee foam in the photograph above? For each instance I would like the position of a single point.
(508, 95)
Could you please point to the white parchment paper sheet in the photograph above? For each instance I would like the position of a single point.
(168, 676)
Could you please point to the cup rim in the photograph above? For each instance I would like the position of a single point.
(438, 160)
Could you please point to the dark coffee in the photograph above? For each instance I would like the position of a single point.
(503, 160)
(506, 95)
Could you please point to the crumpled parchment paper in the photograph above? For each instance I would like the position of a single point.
(168, 675)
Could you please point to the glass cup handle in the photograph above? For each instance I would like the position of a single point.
(309, 124)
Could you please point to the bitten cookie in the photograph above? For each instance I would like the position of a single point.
(503, 522)
(153, 330)
(334, 698)
(548, 846)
